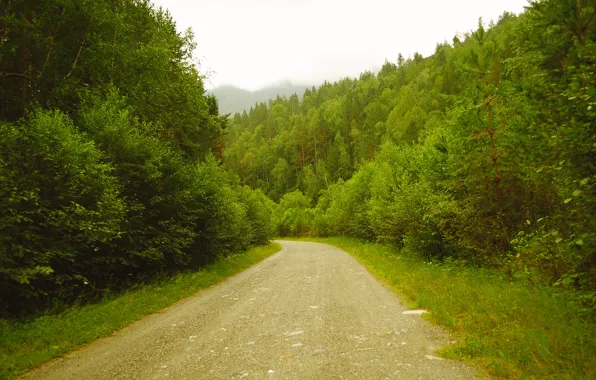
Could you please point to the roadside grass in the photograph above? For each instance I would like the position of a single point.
(508, 328)
(25, 344)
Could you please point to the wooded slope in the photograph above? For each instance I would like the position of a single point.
(483, 151)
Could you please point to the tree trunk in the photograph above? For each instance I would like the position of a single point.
(493, 153)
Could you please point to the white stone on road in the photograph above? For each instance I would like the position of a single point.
(414, 312)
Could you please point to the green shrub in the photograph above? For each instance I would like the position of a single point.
(61, 212)
(294, 216)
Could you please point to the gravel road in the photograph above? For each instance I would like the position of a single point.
(308, 312)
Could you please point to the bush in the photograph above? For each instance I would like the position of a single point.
(87, 212)
(259, 212)
(294, 217)
(348, 211)
(61, 212)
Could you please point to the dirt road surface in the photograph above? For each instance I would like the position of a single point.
(308, 312)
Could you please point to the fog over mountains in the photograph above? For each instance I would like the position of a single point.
(233, 99)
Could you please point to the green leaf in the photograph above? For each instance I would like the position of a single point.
(576, 193)
(567, 200)
(579, 242)
(558, 240)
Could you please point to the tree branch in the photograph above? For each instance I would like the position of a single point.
(74, 65)
(14, 75)
(52, 45)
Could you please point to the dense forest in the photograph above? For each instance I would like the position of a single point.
(116, 166)
(110, 154)
(483, 152)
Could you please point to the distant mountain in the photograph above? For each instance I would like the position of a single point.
(233, 99)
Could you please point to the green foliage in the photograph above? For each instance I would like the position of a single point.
(347, 212)
(62, 210)
(109, 163)
(156, 185)
(53, 50)
(293, 216)
(483, 151)
(259, 215)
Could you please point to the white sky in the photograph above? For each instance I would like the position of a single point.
(253, 43)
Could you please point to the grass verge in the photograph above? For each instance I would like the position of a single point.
(510, 329)
(26, 344)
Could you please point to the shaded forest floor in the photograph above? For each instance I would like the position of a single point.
(25, 344)
(509, 328)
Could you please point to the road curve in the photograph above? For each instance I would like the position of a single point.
(308, 312)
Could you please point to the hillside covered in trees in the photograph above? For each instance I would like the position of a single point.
(109, 155)
(483, 152)
(116, 165)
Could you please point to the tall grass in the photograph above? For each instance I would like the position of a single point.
(511, 329)
(24, 344)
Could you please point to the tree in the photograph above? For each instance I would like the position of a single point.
(62, 210)
(109, 170)
(281, 175)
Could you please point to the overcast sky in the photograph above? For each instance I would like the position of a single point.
(254, 43)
